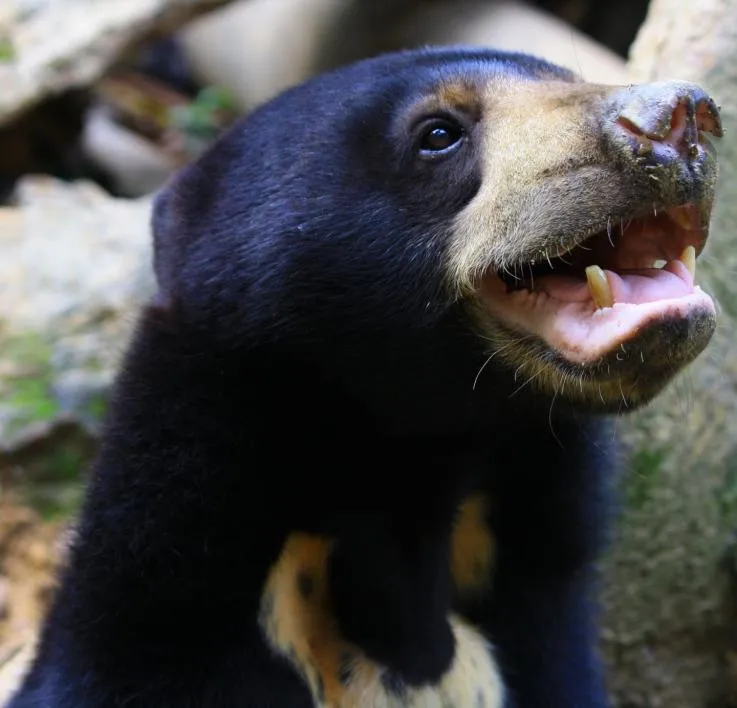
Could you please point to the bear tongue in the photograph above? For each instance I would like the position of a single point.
(651, 284)
(605, 287)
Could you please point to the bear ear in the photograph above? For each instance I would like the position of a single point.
(167, 246)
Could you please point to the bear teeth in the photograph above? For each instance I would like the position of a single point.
(688, 258)
(601, 291)
(600, 287)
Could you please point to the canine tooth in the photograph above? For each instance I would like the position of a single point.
(688, 258)
(599, 287)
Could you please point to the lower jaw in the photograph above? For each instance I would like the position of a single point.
(626, 373)
(579, 333)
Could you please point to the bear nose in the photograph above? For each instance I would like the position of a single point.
(665, 119)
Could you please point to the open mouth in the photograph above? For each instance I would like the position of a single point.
(592, 299)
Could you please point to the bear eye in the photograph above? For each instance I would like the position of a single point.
(440, 137)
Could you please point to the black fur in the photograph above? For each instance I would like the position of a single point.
(303, 368)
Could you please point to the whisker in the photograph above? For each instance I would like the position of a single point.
(528, 381)
(550, 419)
(609, 230)
(621, 391)
(491, 356)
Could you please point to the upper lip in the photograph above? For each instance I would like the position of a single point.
(621, 244)
(685, 217)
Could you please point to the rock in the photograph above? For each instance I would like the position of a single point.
(15, 659)
(278, 45)
(29, 558)
(669, 590)
(283, 43)
(50, 45)
(512, 25)
(75, 265)
(137, 166)
(4, 594)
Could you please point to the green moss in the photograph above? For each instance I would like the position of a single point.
(643, 476)
(52, 480)
(201, 121)
(33, 396)
(54, 501)
(7, 50)
(53, 483)
(64, 464)
(726, 495)
(96, 407)
(29, 393)
(30, 348)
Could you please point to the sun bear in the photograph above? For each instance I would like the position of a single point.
(358, 453)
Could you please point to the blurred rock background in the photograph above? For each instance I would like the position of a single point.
(100, 101)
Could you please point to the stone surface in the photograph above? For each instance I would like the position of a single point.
(285, 42)
(49, 45)
(74, 268)
(30, 553)
(511, 25)
(277, 45)
(669, 588)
